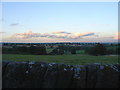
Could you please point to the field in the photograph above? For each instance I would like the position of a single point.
(81, 52)
(67, 59)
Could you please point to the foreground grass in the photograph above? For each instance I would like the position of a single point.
(67, 59)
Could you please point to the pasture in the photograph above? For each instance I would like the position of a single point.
(67, 59)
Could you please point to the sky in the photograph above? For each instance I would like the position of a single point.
(59, 22)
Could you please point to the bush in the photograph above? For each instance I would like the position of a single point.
(99, 49)
(73, 51)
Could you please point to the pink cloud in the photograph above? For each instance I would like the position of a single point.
(78, 34)
(61, 34)
(117, 35)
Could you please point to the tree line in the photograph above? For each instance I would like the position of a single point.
(97, 49)
(39, 50)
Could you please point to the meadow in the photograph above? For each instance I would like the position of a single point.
(67, 59)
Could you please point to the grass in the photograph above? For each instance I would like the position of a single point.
(49, 50)
(112, 47)
(80, 52)
(67, 59)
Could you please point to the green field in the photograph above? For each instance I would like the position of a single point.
(68, 59)
(49, 50)
(82, 52)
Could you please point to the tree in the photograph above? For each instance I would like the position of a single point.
(54, 52)
(43, 50)
(61, 51)
(32, 49)
(99, 49)
(23, 49)
(40, 50)
(118, 51)
(73, 51)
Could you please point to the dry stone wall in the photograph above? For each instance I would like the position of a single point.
(51, 75)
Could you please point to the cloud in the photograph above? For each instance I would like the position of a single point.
(81, 35)
(117, 36)
(61, 34)
(14, 24)
(89, 34)
(28, 34)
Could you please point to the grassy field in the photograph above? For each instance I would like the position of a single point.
(68, 59)
(49, 50)
(82, 52)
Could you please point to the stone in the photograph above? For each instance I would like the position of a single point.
(35, 75)
(51, 76)
(65, 74)
(4, 64)
(44, 75)
(79, 77)
(91, 75)
(108, 77)
(14, 75)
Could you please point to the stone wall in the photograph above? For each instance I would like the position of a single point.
(45, 75)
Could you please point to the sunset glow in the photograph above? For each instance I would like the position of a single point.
(59, 22)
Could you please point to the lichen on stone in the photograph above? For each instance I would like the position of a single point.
(42, 65)
(32, 62)
(51, 64)
(65, 69)
(101, 67)
(77, 72)
(26, 72)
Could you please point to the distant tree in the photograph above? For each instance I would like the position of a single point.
(32, 49)
(110, 51)
(54, 51)
(73, 51)
(41, 50)
(51, 46)
(61, 51)
(99, 49)
(23, 49)
(37, 50)
(118, 51)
